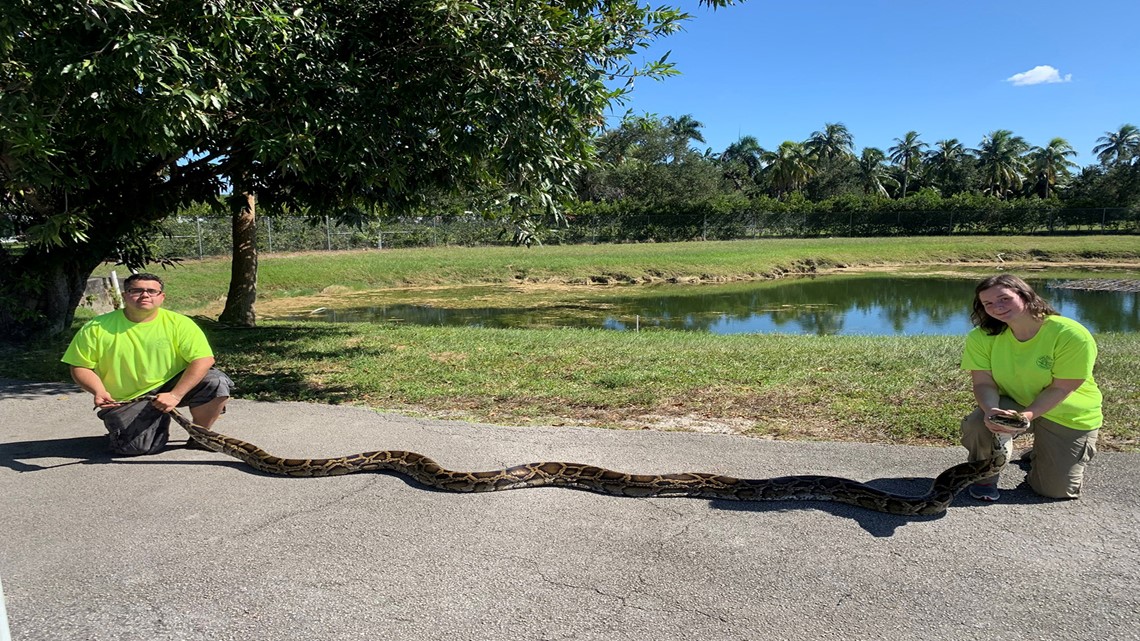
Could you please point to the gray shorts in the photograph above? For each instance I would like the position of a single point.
(138, 428)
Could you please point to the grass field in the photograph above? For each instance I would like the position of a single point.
(878, 389)
(198, 284)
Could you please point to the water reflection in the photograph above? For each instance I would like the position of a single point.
(868, 305)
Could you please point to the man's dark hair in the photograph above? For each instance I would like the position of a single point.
(143, 276)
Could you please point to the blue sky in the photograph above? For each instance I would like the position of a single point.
(779, 69)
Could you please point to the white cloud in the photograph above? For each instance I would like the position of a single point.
(1038, 75)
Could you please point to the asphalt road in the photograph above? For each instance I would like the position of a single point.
(189, 544)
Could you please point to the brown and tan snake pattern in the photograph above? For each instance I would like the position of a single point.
(603, 481)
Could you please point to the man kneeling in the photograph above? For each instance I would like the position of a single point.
(140, 350)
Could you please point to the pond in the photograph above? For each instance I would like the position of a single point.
(865, 304)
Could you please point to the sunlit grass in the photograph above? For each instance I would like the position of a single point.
(877, 389)
(881, 389)
(197, 285)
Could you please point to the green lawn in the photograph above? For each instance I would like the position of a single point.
(196, 285)
(878, 389)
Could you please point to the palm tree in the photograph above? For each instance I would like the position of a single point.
(788, 167)
(873, 174)
(1051, 163)
(1118, 147)
(744, 154)
(683, 130)
(907, 154)
(834, 142)
(944, 163)
(1001, 160)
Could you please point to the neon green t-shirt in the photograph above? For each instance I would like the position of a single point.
(1062, 348)
(134, 358)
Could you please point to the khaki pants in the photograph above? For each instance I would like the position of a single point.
(1057, 462)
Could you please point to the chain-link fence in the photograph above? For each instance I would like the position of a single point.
(647, 227)
(197, 237)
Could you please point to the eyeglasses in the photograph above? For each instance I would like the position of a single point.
(139, 291)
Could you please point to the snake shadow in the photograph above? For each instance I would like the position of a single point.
(877, 524)
(92, 450)
(882, 524)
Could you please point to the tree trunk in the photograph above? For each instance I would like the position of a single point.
(243, 266)
(40, 290)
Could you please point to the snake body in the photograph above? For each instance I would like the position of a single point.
(604, 481)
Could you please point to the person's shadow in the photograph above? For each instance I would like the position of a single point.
(17, 456)
(80, 450)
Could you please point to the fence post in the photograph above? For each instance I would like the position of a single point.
(198, 222)
(116, 291)
(269, 227)
(328, 233)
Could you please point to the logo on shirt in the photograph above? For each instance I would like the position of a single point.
(1045, 362)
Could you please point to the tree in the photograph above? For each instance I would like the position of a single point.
(646, 172)
(742, 159)
(907, 154)
(1001, 161)
(628, 139)
(788, 168)
(683, 130)
(946, 165)
(1118, 147)
(832, 155)
(242, 294)
(1051, 165)
(833, 143)
(873, 174)
(1100, 186)
(113, 116)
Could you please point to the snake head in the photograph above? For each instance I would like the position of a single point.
(1012, 420)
